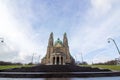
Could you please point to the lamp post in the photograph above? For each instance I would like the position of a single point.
(118, 60)
(82, 58)
(114, 43)
(75, 59)
(39, 58)
(32, 58)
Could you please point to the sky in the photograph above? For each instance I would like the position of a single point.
(25, 26)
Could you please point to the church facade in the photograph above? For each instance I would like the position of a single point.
(58, 52)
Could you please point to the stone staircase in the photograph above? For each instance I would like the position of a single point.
(56, 68)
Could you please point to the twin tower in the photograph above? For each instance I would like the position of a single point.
(58, 52)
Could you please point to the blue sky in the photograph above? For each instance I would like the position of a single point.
(25, 26)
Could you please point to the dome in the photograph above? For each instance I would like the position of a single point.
(58, 42)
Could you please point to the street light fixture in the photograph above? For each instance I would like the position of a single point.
(118, 59)
(39, 58)
(82, 58)
(32, 58)
(114, 43)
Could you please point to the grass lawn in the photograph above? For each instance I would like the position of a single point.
(13, 66)
(111, 67)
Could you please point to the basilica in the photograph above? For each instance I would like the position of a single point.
(58, 52)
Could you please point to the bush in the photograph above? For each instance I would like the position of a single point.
(9, 63)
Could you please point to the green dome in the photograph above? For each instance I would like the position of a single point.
(58, 41)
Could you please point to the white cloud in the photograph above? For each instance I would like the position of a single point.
(93, 33)
(19, 37)
(100, 58)
(101, 8)
(103, 5)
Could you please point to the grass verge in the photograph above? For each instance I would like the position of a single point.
(13, 66)
(111, 67)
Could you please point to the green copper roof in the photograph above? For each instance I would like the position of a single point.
(58, 41)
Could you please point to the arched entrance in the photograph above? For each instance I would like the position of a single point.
(53, 60)
(58, 60)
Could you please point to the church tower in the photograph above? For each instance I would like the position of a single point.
(65, 40)
(58, 52)
(50, 43)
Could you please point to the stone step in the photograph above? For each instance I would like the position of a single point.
(56, 68)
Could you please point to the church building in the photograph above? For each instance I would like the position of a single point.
(58, 52)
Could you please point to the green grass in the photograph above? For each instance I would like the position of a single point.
(13, 66)
(111, 67)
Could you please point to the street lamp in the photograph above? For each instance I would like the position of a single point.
(39, 58)
(75, 59)
(114, 43)
(32, 58)
(82, 58)
(118, 59)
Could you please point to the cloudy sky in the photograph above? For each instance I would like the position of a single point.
(25, 26)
